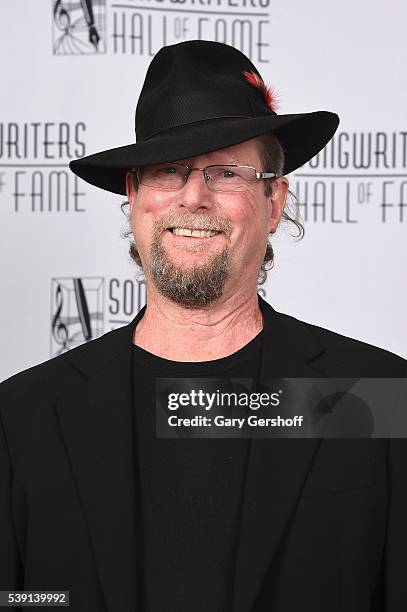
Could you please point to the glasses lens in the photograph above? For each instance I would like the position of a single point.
(163, 176)
(229, 178)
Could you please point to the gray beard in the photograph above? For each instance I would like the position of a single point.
(194, 287)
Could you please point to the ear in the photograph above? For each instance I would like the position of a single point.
(278, 199)
(130, 189)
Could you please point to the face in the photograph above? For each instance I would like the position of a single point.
(195, 272)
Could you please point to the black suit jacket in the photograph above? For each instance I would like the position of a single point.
(324, 522)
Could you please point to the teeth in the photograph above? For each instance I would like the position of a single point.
(180, 231)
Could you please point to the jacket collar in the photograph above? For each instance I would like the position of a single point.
(95, 415)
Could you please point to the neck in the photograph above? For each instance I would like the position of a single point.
(177, 333)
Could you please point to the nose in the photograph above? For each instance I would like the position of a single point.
(195, 193)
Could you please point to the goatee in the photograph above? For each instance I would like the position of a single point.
(193, 287)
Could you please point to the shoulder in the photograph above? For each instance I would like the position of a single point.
(46, 377)
(369, 358)
(335, 353)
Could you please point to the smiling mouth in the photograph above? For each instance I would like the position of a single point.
(189, 233)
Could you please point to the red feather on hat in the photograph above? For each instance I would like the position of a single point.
(268, 93)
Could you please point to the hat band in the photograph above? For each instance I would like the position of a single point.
(196, 106)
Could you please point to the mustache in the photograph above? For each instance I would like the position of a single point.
(194, 222)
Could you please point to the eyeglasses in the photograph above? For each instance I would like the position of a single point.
(228, 178)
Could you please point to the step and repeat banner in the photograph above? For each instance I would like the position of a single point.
(71, 74)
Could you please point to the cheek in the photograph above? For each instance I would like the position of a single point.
(141, 229)
(249, 220)
(142, 206)
(246, 219)
(144, 212)
(239, 208)
(152, 202)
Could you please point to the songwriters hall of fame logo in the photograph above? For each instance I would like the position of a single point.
(78, 27)
(76, 312)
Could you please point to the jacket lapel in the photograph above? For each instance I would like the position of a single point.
(277, 467)
(95, 415)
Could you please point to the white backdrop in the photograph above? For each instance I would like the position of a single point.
(64, 97)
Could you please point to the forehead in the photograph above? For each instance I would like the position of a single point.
(245, 153)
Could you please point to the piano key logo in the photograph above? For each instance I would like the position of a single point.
(78, 27)
(76, 312)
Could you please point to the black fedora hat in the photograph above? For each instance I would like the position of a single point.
(199, 96)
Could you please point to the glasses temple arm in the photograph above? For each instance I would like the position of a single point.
(265, 175)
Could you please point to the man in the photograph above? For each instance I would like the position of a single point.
(92, 501)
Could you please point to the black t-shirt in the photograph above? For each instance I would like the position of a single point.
(190, 493)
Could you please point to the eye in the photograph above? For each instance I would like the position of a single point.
(168, 170)
(223, 172)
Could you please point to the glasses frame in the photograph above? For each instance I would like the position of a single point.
(258, 174)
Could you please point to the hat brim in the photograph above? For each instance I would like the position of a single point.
(302, 136)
